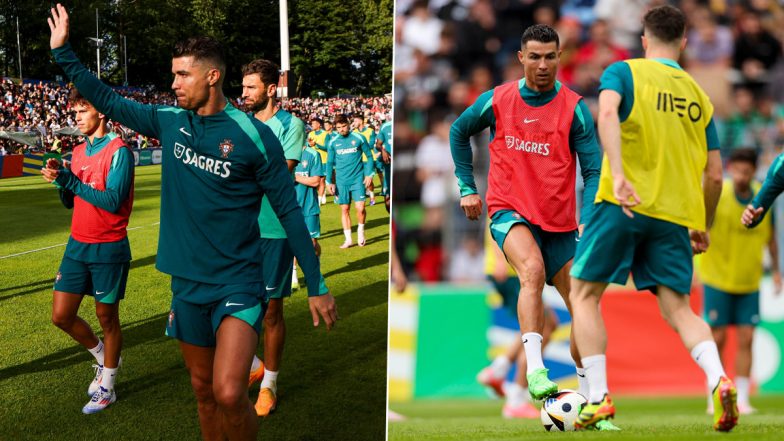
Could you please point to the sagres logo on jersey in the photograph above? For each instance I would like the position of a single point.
(226, 147)
(178, 150)
(539, 148)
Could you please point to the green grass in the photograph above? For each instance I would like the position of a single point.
(639, 418)
(331, 385)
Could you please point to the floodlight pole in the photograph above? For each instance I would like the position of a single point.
(97, 45)
(283, 86)
(19, 48)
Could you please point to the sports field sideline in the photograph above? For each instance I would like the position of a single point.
(331, 385)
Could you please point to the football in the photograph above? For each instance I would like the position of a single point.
(560, 410)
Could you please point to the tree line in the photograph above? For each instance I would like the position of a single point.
(335, 46)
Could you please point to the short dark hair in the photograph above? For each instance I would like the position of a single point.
(201, 48)
(541, 33)
(341, 119)
(75, 97)
(666, 23)
(316, 118)
(744, 155)
(268, 71)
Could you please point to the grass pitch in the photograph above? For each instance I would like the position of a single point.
(331, 385)
(639, 418)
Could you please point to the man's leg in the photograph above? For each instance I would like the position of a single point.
(236, 342)
(523, 254)
(322, 186)
(360, 207)
(698, 339)
(274, 339)
(199, 362)
(109, 318)
(743, 367)
(65, 307)
(345, 219)
(562, 283)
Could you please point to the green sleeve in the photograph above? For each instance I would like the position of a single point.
(294, 140)
(274, 178)
(771, 188)
(139, 117)
(589, 154)
(369, 165)
(118, 183)
(330, 162)
(66, 197)
(472, 121)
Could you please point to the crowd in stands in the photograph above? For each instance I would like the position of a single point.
(42, 108)
(447, 52)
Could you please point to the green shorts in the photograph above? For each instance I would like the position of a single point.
(198, 324)
(557, 248)
(104, 281)
(656, 252)
(314, 226)
(276, 266)
(387, 176)
(509, 290)
(354, 191)
(722, 308)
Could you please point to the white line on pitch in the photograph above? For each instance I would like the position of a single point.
(64, 244)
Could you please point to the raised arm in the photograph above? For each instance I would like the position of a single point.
(142, 118)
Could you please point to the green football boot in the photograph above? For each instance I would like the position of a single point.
(539, 386)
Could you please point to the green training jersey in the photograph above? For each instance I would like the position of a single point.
(385, 136)
(307, 197)
(215, 170)
(344, 154)
(290, 131)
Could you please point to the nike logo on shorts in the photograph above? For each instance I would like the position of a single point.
(270, 289)
(99, 292)
(233, 304)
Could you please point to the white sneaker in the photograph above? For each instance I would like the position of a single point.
(101, 399)
(96, 383)
(361, 240)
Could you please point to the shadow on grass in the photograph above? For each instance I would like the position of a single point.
(366, 262)
(48, 284)
(373, 223)
(134, 333)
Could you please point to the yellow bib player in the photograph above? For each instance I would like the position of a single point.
(660, 182)
(732, 267)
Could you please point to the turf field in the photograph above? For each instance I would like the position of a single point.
(331, 387)
(639, 418)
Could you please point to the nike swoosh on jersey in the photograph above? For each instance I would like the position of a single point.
(234, 304)
(528, 121)
(182, 129)
(85, 167)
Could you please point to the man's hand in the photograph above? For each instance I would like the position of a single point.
(368, 181)
(50, 174)
(623, 191)
(331, 188)
(580, 229)
(385, 158)
(750, 215)
(325, 307)
(472, 206)
(700, 240)
(53, 164)
(58, 24)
